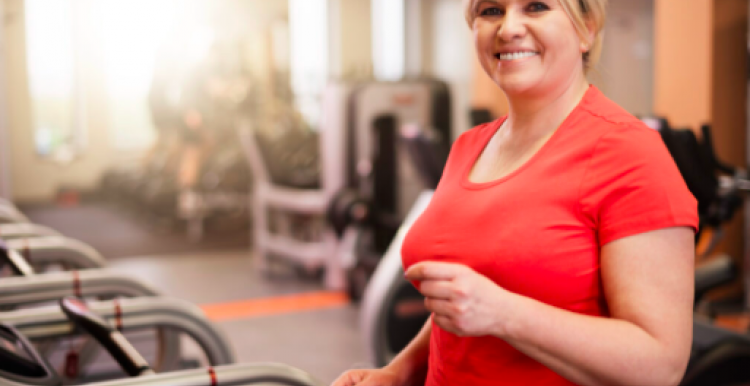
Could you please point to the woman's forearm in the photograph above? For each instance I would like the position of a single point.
(411, 363)
(590, 350)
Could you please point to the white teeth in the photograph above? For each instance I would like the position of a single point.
(516, 55)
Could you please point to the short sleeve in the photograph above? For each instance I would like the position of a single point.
(632, 185)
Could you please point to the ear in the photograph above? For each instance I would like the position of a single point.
(590, 36)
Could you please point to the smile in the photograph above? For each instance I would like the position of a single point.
(515, 55)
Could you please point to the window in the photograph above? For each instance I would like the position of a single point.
(308, 30)
(50, 51)
(128, 58)
(388, 39)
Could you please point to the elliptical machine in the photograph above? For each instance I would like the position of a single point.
(393, 311)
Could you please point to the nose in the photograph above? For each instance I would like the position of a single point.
(513, 26)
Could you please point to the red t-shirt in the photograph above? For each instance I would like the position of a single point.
(537, 232)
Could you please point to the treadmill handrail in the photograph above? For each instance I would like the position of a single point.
(136, 313)
(21, 230)
(245, 374)
(58, 249)
(11, 215)
(18, 291)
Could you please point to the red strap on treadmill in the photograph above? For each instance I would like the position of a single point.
(77, 285)
(118, 315)
(26, 251)
(212, 373)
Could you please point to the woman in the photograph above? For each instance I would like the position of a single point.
(558, 247)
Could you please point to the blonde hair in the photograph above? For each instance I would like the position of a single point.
(581, 13)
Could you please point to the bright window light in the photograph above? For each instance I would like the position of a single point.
(131, 54)
(308, 32)
(50, 60)
(388, 39)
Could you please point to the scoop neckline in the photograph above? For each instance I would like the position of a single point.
(468, 184)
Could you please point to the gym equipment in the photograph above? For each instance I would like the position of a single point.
(393, 310)
(11, 215)
(719, 358)
(480, 116)
(31, 289)
(195, 172)
(358, 153)
(718, 271)
(23, 230)
(17, 263)
(134, 314)
(42, 252)
(714, 184)
(101, 284)
(22, 365)
(291, 156)
(113, 340)
(268, 197)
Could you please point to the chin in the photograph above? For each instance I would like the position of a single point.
(516, 86)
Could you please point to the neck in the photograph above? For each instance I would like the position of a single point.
(539, 114)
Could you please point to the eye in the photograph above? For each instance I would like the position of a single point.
(491, 11)
(538, 6)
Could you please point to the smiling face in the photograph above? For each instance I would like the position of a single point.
(528, 47)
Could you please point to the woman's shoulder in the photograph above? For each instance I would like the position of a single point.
(614, 127)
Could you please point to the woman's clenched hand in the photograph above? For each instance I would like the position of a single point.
(463, 301)
(367, 377)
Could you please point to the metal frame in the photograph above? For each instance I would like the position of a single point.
(136, 314)
(4, 201)
(21, 230)
(262, 374)
(49, 287)
(9, 215)
(267, 195)
(57, 250)
(382, 287)
(21, 290)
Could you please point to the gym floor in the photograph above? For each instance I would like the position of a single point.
(283, 318)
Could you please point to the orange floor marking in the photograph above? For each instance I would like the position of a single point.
(276, 305)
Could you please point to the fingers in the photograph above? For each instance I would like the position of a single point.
(437, 289)
(433, 271)
(365, 378)
(349, 378)
(443, 307)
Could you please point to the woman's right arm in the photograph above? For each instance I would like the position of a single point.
(411, 363)
(408, 368)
